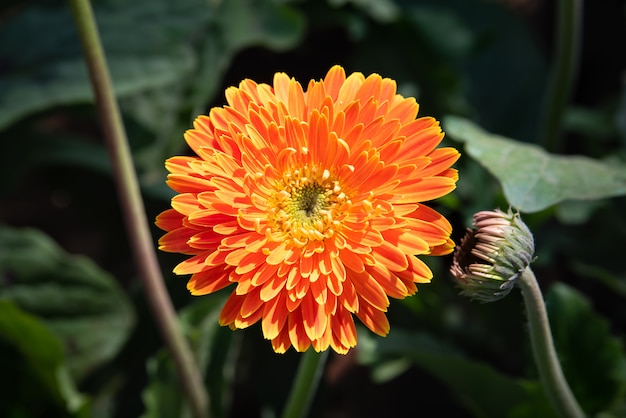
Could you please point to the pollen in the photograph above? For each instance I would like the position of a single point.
(306, 205)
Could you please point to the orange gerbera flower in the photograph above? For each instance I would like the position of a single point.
(310, 202)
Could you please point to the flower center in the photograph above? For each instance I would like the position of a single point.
(307, 205)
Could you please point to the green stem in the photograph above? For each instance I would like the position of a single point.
(134, 211)
(305, 385)
(552, 377)
(564, 71)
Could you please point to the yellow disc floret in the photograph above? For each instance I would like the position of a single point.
(306, 205)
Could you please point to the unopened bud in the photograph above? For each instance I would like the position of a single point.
(492, 255)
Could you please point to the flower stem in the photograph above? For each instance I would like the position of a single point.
(306, 382)
(134, 211)
(550, 372)
(564, 71)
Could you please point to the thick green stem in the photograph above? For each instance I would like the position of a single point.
(134, 211)
(564, 71)
(550, 372)
(305, 385)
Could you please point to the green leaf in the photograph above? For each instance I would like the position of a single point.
(616, 283)
(34, 376)
(443, 31)
(594, 362)
(163, 396)
(77, 301)
(480, 388)
(577, 212)
(384, 11)
(212, 347)
(596, 124)
(532, 179)
(263, 23)
(143, 41)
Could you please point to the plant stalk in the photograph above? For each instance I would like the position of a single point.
(564, 71)
(134, 211)
(550, 371)
(306, 383)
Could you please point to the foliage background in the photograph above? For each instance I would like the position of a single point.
(76, 336)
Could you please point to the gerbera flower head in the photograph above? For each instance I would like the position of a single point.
(310, 204)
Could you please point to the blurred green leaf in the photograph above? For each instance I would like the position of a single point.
(507, 69)
(70, 151)
(532, 179)
(443, 31)
(35, 379)
(595, 123)
(163, 397)
(212, 347)
(77, 301)
(576, 212)
(380, 10)
(615, 283)
(143, 41)
(481, 389)
(593, 361)
(263, 23)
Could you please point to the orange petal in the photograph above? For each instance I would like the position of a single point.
(352, 260)
(231, 309)
(418, 272)
(406, 241)
(374, 319)
(281, 343)
(297, 335)
(263, 273)
(314, 318)
(251, 303)
(333, 81)
(208, 281)
(371, 87)
(425, 189)
(186, 203)
(169, 220)
(390, 257)
(272, 287)
(388, 281)
(176, 241)
(344, 332)
(348, 297)
(369, 289)
(274, 316)
(349, 89)
(442, 159)
(192, 265)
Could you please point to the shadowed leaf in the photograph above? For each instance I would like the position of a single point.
(77, 301)
(34, 375)
(531, 178)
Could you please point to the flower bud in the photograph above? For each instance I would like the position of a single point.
(492, 255)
